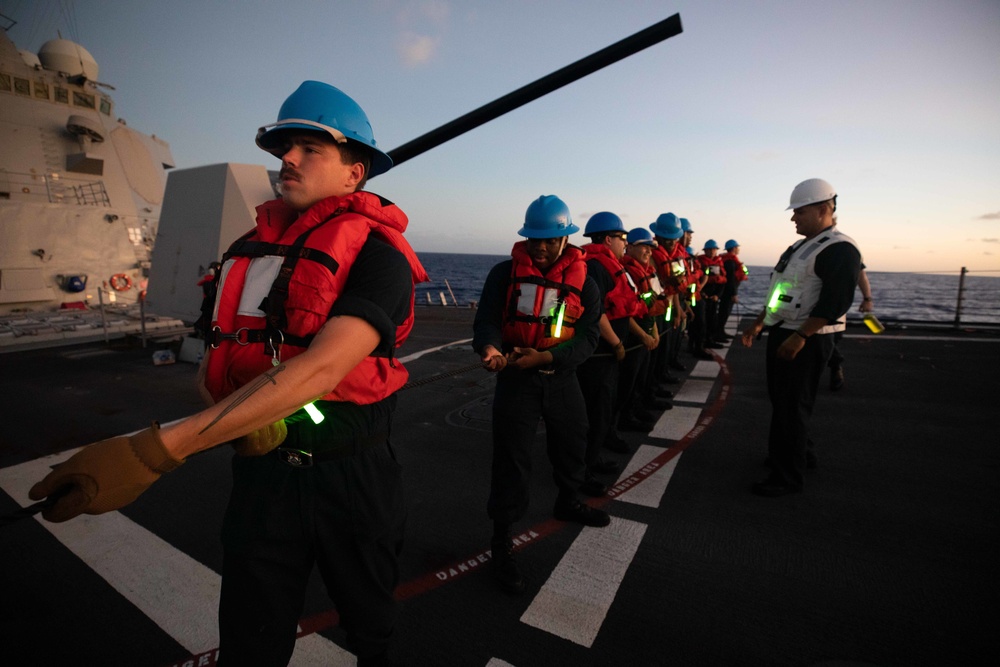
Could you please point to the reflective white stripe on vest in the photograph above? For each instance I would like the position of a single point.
(260, 276)
(526, 301)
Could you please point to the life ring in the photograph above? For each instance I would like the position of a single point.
(120, 282)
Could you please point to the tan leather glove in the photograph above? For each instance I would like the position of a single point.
(261, 441)
(105, 476)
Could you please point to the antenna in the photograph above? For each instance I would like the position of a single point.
(624, 48)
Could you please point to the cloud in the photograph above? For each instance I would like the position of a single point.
(423, 23)
(417, 49)
(989, 216)
(765, 156)
(989, 240)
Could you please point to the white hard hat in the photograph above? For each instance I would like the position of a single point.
(811, 191)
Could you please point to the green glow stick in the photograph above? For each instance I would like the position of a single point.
(314, 413)
(775, 297)
(746, 271)
(670, 310)
(559, 320)
(693, 288)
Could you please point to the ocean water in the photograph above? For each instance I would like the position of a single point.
(909, 297)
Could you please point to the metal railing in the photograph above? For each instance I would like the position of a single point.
(53, 188)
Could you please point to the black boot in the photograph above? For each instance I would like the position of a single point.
(505, 570)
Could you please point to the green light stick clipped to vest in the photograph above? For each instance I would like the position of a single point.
(559, 320)
(314, 412)
(779, 290)
(693, 288)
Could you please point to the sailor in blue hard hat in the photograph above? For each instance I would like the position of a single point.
(320, 114)
(301, 372)
(537, 321)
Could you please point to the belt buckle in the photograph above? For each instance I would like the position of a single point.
(296, 458)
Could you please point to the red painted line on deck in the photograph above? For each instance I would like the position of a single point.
(437, 578)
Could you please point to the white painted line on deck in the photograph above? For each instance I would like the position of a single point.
(694, 391)
(675, 424)
(175, 591)
(650, 492)
(315, 649)
(942, 339)
(705, 369)
(417, 355)
(574, 602)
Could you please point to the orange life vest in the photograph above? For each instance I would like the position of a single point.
(621, 300)
(647, 285)
(280, 281)
(715, 275)
(671, 268)
(741, 269)
(542, 309)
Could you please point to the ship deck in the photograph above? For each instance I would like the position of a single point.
(889, 557)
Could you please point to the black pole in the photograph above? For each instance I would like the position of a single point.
(645, 38)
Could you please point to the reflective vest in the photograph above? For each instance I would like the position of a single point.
(621, 300)
(279, 283)
(542, 309)
(741, 268)
(795, 287)
(647, 284)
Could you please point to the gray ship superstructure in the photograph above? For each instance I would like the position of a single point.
(80, 194)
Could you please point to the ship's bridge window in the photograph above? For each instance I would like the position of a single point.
(41, 90)
(105, 106)
(62, 95)
(83, 100)
(22, 86)
(5, 82)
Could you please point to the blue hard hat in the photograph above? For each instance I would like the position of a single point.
(711, 245)
(547, 218)
(668, 226)
(641, 236)
(731, 243)
(605, 221)
(686, 225)
(320, 107)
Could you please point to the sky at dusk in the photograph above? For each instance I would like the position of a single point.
(895, 102)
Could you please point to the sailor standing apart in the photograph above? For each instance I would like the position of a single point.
(812, 287)
(311, 306)
(536, 322)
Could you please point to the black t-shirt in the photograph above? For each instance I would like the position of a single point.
(378, 290)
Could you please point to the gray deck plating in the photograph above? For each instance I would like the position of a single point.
(889, 557)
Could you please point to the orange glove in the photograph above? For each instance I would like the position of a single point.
(261, 441)
(105, 476)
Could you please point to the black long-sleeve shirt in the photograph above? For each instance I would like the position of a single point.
(488, 325)
(838, 267)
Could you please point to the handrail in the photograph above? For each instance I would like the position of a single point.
(54, 188)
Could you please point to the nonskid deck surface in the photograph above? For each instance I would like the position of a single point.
(888, 558)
